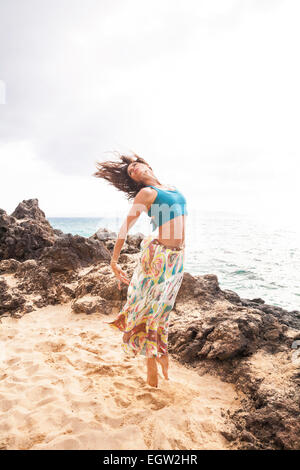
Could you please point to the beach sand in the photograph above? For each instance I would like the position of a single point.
(65, 383)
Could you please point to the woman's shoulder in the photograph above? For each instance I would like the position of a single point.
(145, 194)
(147, 190)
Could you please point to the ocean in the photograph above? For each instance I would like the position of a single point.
(248, 256)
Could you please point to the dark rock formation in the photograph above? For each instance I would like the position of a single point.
(24, 233)
(247, 343)
(71, 268)
(131, 244)
(215, 324)
(103, 234)
(10, 301)
(29, 209)
(9, 266)
(97, 289)
(270, 416)
(71, 252)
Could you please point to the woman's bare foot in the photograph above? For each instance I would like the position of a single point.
(164, 362)
(152, 377)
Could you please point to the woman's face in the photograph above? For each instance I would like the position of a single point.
(137, 171)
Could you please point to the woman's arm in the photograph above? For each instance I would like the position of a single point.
(140, 204)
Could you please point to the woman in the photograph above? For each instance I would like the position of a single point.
(158, 275)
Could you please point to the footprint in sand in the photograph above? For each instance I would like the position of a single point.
(151, 401)
(124, 386)
(101, 370)
(51, 346)
(136, 380)
(121, 402)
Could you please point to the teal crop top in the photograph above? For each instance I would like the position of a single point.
(167, 205)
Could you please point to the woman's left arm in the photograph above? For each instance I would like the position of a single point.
(139, 205)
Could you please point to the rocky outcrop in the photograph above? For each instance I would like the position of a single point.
(131, 244)
(97, 289)
(244, 341)
(72, 252)
(10, 301)
(215, 324)
(270, 416)
(24, 233)
(247, 343)
(70, 268)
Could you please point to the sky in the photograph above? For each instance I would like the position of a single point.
(206, 91)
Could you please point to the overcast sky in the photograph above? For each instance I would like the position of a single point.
(206, 91)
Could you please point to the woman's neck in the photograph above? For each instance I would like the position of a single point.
(152, 181)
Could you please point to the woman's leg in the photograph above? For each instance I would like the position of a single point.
(152, 377)
(163, 329)
(164, 362)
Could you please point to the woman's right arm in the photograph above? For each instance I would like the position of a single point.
(140, 204)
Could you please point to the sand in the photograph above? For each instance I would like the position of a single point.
(65, 383)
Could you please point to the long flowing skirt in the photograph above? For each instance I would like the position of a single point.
(150, 298)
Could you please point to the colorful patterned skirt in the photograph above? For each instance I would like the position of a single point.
(150, 298)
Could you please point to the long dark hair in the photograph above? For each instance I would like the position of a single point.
(115, 172)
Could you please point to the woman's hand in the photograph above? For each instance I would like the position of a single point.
(120, 274)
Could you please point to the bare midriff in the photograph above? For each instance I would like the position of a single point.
(172, 233)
